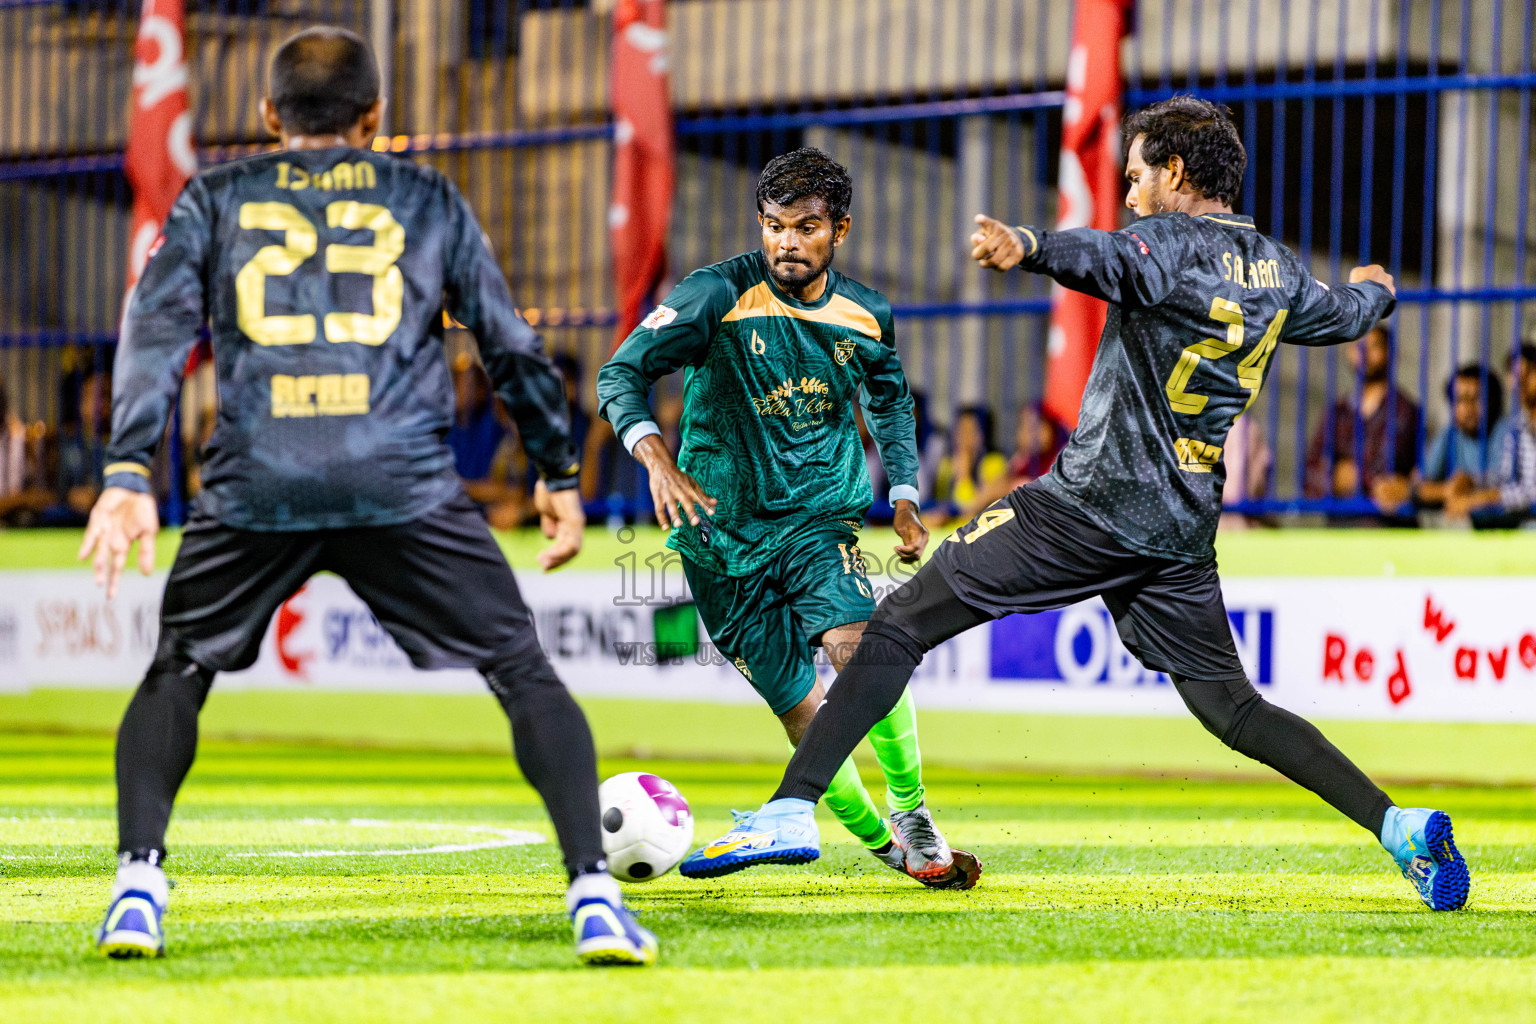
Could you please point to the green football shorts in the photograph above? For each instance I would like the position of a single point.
(769, 623)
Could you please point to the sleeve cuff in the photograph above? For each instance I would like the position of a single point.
(640, 430)
(1031, 239)
(904, 491)
(130, 476)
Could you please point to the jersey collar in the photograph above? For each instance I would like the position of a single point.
(1234, 220)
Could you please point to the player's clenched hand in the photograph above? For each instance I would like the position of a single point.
(119, 518)
(1374, 272)
(671, 488)
(562, 520)
(910, 528)
(995, 245)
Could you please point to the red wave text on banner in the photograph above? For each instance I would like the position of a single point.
(641, 206)
(1090, 187)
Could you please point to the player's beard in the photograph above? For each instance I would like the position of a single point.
(793, 275)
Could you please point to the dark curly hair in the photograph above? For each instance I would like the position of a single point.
(806, 173)
(1198, 131)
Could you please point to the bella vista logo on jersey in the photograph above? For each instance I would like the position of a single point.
(845, 350)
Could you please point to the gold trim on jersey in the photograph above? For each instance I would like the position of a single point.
(1229, 223)
(125, 467)
(839, 312)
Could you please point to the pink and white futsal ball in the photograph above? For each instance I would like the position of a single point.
(647, 827)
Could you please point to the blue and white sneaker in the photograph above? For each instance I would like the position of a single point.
(607, 934)
(781, 832)
(1420, 840)
(132, 926)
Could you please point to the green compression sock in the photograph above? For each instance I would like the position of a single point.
(849, 801)
(894, 738)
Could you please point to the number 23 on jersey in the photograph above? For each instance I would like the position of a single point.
(300, 242)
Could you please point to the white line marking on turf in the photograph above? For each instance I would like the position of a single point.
(505, 837)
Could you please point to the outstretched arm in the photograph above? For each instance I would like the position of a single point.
(524, 378)
(513, 353)
(165, 313)
(676, 334)
(1331, 316)
(1131, 267)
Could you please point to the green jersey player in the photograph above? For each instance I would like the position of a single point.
(776, 348)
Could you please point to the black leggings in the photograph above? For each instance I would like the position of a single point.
(926, 611)
(553, 745)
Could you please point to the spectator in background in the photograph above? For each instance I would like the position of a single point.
(81, 444)
(1037, 439)
(1511, 498)
(1464, 455)
(479, 440)
(973, 461)
(13, 449)
(1381, 463)
(931, 449)
(1247, 458)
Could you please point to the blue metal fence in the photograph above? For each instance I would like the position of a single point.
(1377, 131)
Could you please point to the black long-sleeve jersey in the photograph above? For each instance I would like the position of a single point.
(1197, 306)
(323, 276)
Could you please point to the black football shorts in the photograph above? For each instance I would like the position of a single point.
(1032, 551)
(438, 584)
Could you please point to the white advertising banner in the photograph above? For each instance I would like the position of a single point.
(1430, 649)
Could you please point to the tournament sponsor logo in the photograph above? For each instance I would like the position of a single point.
(1079, 646)
(660, 317)
(71, 628)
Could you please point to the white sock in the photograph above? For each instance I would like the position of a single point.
(144, 877)
(597, 884)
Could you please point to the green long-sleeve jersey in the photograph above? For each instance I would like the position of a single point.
(768, 424)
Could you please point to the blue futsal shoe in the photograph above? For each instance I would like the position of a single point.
(607, 934)
(132, 927)
(782, 832)
(1420, 840)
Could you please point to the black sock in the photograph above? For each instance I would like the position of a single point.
(553, 746)
(155, 747)
(865, 692)
(1296, 749)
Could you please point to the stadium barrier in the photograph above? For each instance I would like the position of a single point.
(1395, 648)
(1377, 131)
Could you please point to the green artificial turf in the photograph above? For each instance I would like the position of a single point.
(1104, 900)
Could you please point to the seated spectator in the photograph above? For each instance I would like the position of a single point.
(80, 445)
(931, 445)
(22, 496)
(973, 461)
(1247, 458)
(1511, 498)
(1380, 461)
(13, 449)
(478, 439)
(1463, 456)
(1037, 439)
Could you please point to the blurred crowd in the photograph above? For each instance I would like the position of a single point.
(1361, 463)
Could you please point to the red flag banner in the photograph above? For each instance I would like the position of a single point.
(160, 157)
(641, 205)
(1090, 191)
